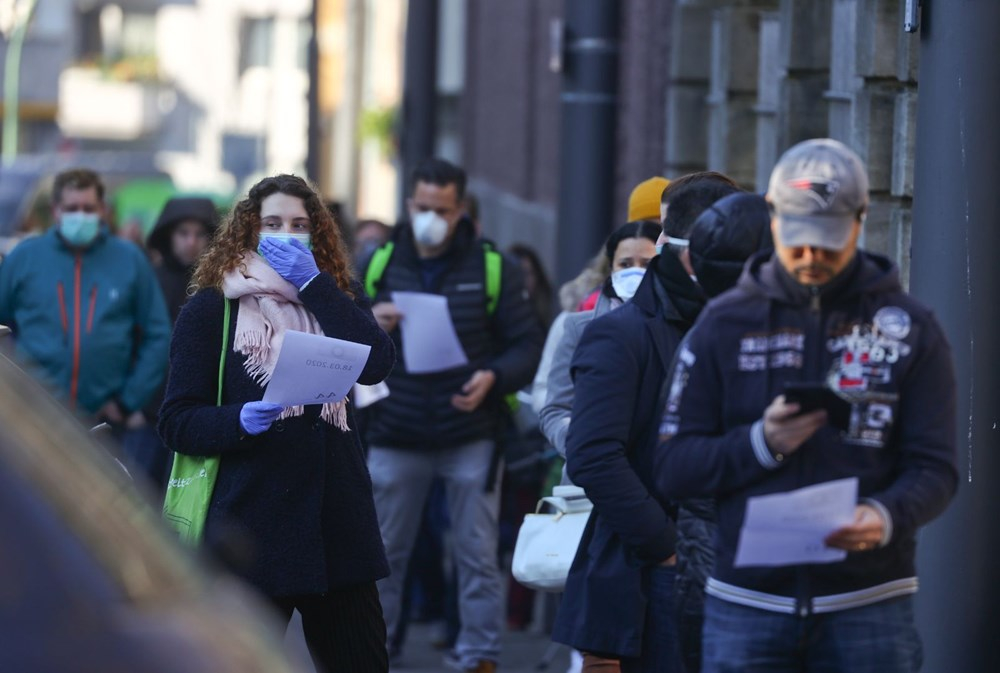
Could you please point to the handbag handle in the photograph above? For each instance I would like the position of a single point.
(565, 505)
(225, 345)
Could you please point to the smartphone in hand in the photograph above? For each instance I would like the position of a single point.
(813, 396)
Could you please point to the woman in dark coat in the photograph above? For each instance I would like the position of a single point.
(292, 488)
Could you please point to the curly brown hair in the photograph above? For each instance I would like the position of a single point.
(240, 232)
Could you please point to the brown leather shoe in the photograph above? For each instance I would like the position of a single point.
(484, 666)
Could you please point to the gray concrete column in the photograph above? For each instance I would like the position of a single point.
(955, 242)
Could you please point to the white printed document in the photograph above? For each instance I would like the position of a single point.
(314, 369)
(789, 528)
(365, 396)
(430, 343)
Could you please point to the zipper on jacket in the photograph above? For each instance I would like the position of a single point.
(93, 305)
(74, 382)
(816, 343)
(63, 316)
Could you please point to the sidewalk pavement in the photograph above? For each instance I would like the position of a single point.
(523, 651)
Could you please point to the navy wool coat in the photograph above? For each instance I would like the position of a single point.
(298, 496)
(618, 371)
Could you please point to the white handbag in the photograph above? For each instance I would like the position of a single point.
(547, 542)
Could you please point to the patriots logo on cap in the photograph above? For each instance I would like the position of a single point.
(820, 190)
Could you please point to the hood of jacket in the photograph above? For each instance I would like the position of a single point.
(764, 276)
(176, 211)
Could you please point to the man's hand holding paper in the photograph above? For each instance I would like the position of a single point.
(792, 528)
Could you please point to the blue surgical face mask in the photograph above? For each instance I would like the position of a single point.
(304, 239)
(79, 229)
(659, 249)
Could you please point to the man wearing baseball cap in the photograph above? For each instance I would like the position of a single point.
(816, 368)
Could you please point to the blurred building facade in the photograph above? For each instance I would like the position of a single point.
(359, 80)
(216, 92)
(213, 93)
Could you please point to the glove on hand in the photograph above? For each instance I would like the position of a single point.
(293, 261)
(256, 417)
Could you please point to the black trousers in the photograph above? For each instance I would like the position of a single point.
(344, 628)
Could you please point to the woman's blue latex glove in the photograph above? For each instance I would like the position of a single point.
(257, 417)
(293, 261)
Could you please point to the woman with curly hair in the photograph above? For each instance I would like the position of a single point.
(293, 489)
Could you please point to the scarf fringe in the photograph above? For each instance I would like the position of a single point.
(256, 348)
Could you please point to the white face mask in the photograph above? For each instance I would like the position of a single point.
(304, 239)
(627, 281)
(429, 228)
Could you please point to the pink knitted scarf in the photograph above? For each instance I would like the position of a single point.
(270, 305)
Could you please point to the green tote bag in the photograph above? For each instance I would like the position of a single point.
(192, 478)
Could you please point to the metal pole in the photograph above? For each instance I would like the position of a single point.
(956, 239)
(419, 89)
(587, 136)
(313, 134)
(12, 81)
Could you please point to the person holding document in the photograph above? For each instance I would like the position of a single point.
(816, 374)
(463, 349)
(292, 487)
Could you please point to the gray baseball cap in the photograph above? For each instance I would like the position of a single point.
(817, 190)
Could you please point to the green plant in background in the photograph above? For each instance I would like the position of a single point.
(379, 124)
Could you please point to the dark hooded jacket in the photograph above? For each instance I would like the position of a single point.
(173, 276)
(874, 344)
(723, 238)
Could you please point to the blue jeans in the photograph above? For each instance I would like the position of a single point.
(660, 645)
(877, 638)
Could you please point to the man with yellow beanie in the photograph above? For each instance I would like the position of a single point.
(644, 201)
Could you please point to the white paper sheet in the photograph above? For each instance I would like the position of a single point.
(430, 343)
(314, 369)
(789, 528)
(365, 396)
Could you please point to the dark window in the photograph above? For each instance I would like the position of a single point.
(256, 36)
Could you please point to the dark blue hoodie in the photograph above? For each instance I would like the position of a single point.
(879, 348)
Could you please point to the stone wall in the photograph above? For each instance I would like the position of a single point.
(748, 79)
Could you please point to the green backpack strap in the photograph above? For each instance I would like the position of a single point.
(376, 267)
(494, 273)
(494, 276)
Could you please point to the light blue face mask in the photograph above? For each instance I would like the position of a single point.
(79, 229)
(304, 239)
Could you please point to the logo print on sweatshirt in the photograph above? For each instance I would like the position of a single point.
(862, 374)
(820, 190)
(893, 322)
(775, 351)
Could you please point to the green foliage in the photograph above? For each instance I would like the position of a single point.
(379, 124)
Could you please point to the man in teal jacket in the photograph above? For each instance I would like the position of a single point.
(86, 309)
